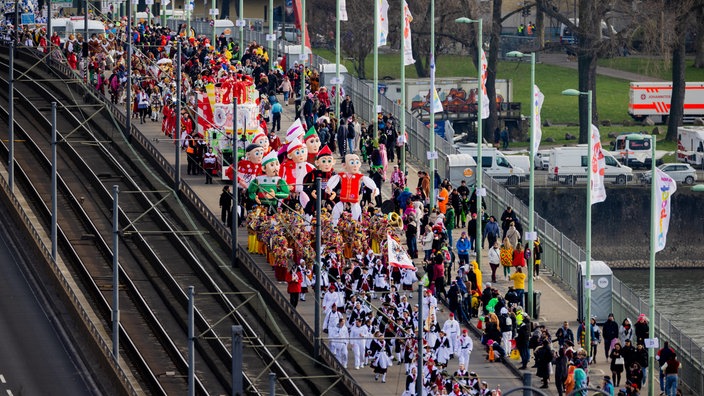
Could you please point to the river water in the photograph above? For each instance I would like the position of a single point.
(677, 296)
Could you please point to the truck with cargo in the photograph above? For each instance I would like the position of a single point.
(569, 165)
(652, 99)
(690, 145)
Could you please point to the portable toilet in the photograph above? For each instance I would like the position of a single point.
(461, 167)
(602, 289)
(293, 55)
(328, 74)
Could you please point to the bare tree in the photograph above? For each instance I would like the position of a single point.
(699, 57)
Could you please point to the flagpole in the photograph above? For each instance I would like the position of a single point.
(402, 131)
(531, 188)
(303, 56)
(375, 113)
(431, 117)
(337, 60)
(651, 297)
(479, 190)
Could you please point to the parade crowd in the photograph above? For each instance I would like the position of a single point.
(371, 314)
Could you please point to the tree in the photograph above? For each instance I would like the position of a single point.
(589, 44)
(682, 10)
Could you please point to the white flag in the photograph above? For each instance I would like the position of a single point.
(398, 257)
(383, 21)
(343, 10)
(485, 97)
(597, 168)
(437, 104)
(665, 187)
(538, 103)
(407, 42)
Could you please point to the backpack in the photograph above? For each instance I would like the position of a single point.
(350, 132)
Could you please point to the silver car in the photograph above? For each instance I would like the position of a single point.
(681, 173)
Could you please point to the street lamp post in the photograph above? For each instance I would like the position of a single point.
(479, 190)
(530, 236)
(588, 248)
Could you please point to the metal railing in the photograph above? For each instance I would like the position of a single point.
(561, 255)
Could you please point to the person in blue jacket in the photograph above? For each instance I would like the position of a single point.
(463, 246)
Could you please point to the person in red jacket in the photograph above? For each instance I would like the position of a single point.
(294, 280)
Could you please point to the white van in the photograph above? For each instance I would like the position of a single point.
(75, 26)
(495, 163)
(519, 161)
(58, 25)
(633, 149)
(569, 165)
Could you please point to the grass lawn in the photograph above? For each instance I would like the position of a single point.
(612, 94)
(652, 66)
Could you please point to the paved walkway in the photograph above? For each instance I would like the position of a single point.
(560, 59)
(556, 304)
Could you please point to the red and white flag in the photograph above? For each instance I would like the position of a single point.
(597, 167)
(398, 257)
(205, 113)
(665, 187)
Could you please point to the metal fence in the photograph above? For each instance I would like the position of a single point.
(561, 255)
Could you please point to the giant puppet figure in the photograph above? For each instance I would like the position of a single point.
(249, 167)
(350, 182)
(324, 163)
(312, 142)
(295, 168)
(268, 189)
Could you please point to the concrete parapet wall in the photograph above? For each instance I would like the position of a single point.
(621, 224)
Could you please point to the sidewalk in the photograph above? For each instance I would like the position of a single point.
(560, 59)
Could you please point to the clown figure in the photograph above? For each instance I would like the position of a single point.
(312, 141)
(295, 168)
(261, 139)
(268, 189)
(324, 163)
(250, 167)
(350, 183)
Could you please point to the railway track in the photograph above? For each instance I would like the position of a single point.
(161, 250)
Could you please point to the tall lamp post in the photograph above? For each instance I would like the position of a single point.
(588, 248)
(530, 236)
(479, 190)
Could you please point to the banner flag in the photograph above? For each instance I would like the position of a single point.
(343, 10)
(398, 257)
(538, 103)
(383, 21)
(597, 167)
(407, 42)
(437, 104)
(665, 188)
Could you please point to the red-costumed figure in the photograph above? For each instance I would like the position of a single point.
(295, 168)
(240, 87)
(251, 166)
(350, 183)
(324, 163)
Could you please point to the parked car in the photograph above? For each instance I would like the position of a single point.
(681, 173)
(542, 160)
